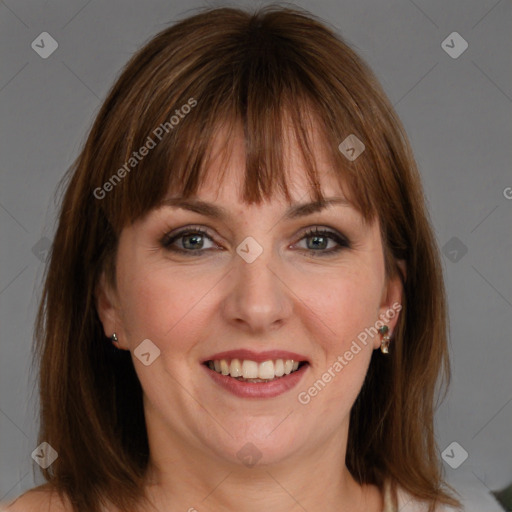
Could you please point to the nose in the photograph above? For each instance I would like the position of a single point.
(257, 298)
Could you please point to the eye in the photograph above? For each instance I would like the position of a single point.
(190, 239)
(320, 239)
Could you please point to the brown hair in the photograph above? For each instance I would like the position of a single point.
(250, 70)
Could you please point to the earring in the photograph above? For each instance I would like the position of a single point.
(384, 346)
(114, 338)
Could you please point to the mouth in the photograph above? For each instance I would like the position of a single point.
(256, 375)
(250, 371)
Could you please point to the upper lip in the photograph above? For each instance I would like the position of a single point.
(258, 357)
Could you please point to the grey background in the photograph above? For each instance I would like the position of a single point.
(457, 113)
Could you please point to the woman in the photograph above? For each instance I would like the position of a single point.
(244, 307)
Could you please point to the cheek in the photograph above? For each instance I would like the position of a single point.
(342, 359)
(162, 305)
(338, 309)
(343, 303)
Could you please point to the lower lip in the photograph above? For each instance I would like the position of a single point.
(257, 389)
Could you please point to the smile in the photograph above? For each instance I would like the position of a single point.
(250, 379)
(247, 370)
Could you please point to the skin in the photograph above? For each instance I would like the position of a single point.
(192, 307)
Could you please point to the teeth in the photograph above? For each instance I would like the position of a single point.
(224, 367)
(248, 369)
(279, 368)
(266, 370)
(236, 368)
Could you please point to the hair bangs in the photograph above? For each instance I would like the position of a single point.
(261, 92)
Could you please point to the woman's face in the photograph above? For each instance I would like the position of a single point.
(281, 289)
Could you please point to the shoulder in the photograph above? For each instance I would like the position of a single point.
(37, 500)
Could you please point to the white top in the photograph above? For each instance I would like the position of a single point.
(407, 502)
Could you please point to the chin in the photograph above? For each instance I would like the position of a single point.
(258, 444)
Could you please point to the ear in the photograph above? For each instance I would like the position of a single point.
(107, 306)
(391, 300)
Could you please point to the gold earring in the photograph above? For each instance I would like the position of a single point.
(384, 345)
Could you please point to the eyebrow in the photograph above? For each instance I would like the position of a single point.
(295, 211)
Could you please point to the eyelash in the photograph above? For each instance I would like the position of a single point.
(343, 242)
